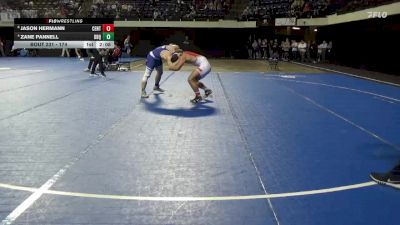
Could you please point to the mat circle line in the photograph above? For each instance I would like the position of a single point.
(190, 199)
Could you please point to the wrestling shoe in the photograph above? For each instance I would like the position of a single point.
(391, 178)
(157, 88)
(144, 95)
(196, 99)
(207, 92)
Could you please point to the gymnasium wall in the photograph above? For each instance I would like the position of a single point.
(370, 44)
(367, 44)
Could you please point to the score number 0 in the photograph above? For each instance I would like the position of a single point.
(108, 32)
(108, 27)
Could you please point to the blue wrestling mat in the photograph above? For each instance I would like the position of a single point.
(287, 149)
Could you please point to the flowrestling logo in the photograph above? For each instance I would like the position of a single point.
(381, 15)
(64, 21)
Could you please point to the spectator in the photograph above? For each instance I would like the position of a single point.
(14, 51)
(186, 42)
(319, 53)
(211, 5)
(116, 53)
(302, 47)
(156, 14)
(226, 7)
(7, 47)
(329, 51)
(259, 50)
(275, 50)
(219, 4)
(264, 46)
(308, 52)
(246, 13)
(24, 52)
(78, 54)
(313, 51)
(65, 50)
(285, 47)
(249, 47)
(307, 9)
(2, 47)
(324, 45)
(255, 48)
(192, 13)
(270, 47)
(127, 8)
(296, 7)
(294, 50)
(320, 7)
(127, 45)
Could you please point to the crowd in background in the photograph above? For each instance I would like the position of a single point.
(8, 12)
(40, 9)
(158, 9)
(180, 9)
(262, 48)
(266, 9)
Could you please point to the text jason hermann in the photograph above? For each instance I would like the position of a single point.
(56, 28)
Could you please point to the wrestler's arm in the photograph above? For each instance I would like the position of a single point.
(166, 55)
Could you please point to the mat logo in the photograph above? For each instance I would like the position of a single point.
(377, 14)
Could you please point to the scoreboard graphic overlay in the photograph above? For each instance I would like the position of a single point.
(63, 33)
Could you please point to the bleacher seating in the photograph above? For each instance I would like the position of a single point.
(266, 9)
(179, 9)
(41, 8)
(159, 10)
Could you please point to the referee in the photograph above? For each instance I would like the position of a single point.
(96, 58)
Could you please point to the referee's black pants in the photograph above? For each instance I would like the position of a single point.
(98, 60)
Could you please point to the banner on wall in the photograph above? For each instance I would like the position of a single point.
(285, 21)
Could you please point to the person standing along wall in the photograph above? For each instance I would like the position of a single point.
(324, 46)
(127, 45)
(302, 49)
(2, 47)
(294, 50)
